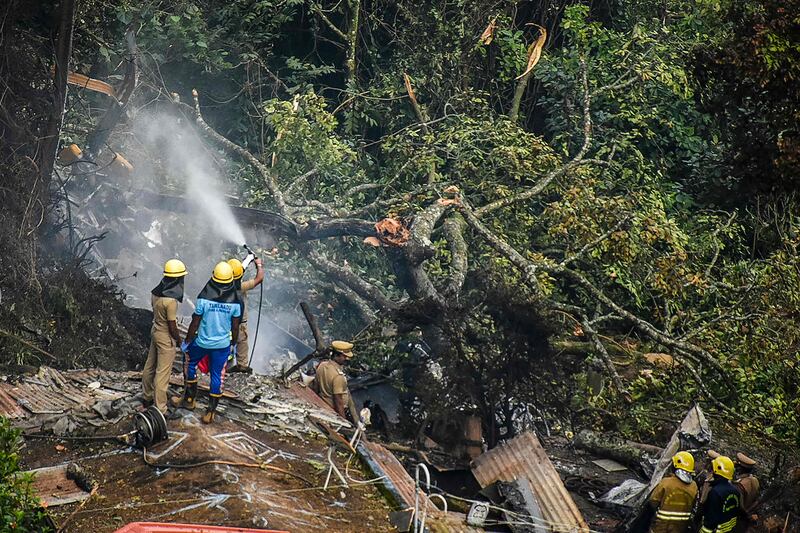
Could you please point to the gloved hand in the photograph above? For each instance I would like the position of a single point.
(184, 346)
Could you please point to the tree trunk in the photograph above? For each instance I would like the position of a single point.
(612, 447)
(49, 146)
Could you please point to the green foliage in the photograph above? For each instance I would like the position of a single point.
(681, 109)
(19, 507)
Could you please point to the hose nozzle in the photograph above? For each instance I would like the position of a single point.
(250, 257)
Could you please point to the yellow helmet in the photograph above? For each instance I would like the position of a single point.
(238, 269)
(174, 268)
(223, 273)
(683, 461)
(723, 466)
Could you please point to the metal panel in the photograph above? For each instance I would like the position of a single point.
(9, 407)
(53, 487)
(523, 456)
(398, 482)
(39, 399)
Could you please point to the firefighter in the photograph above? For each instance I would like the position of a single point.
(703, 480)
(748, 486)
(164, 335)
(213, 333)
(673, 498)
(242, 346)
(330, 382)
(721, 507)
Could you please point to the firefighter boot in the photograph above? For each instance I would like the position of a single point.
(213, 401)
(189, 394)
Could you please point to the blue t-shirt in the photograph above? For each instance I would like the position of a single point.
(215, 326)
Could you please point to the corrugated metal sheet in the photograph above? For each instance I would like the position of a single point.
(41, 399)
(9, 407)
(53, 487)
(523, 456)
(110, 381)
(398, 482)
(151, 527)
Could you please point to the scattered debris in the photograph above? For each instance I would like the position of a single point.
(55, 487)
(523, 457)
(692, 433)
(619, 450)
(609, 465)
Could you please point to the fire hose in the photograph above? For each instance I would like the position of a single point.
(246, 263)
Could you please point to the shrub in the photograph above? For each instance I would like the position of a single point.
(20, 509)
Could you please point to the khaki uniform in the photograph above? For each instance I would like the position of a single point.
(748, 486)
(330, 380)
(242, 346)
(673, 500)
(158, 367)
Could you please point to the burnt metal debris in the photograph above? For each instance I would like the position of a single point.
(523, 457)
(92, 397)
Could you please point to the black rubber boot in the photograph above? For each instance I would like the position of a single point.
(213, 402)
(189, 395)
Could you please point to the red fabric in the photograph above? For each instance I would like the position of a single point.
(202, 366)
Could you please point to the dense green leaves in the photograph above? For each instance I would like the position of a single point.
(19, 507)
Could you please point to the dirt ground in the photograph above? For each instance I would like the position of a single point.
(129, 490)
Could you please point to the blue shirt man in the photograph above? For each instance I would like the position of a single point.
(212, 334)
(214, 331)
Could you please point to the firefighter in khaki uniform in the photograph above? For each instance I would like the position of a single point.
(330, 382)
(164, 336)
(674, 496)
(242, 346)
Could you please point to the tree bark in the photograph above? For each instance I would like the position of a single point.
(612, 448)
(49, 146)
(352, 43)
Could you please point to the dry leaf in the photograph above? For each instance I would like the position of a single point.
(410, 89)
(392, 231)
(373, 241)
(448, 201)
(488, 34)
(92, 84)
(535, 51)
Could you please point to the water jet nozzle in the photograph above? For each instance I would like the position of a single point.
(250, 256)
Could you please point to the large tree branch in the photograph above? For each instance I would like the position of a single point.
(453, 229)
(350, 279)
(333, 27)
(530, 192)
(529, 268)
(232, 147)
(49, 145)
(526, 267)
(601, 350)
